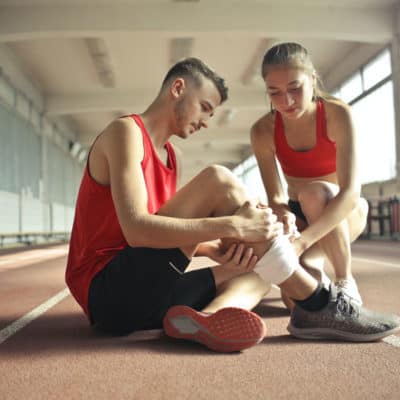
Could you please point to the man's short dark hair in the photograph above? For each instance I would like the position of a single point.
(196, 70)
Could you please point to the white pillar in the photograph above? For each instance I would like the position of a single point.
(395, 47)
(44, 178)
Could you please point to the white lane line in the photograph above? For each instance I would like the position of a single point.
(30, 316)
(31, 258)
(392, 340)
(372, 261)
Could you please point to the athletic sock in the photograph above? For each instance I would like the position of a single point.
(317, 301)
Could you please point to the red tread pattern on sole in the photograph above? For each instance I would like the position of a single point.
(228, 330)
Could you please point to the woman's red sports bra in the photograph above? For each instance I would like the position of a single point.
(318, 161)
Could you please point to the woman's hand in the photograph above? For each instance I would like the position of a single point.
(289, 225)
(299, 245)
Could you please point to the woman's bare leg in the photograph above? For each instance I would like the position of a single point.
(336, 244)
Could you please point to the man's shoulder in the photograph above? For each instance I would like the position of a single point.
(121, 125)
(121, 137)
(120, 130)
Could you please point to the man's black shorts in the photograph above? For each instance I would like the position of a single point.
(139, 285)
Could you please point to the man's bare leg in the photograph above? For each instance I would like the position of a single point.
(315, 316)
(192, 201)
(244, 291)
(227, 195)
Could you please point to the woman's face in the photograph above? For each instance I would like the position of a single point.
(290, 90)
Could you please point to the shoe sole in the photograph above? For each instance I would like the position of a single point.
(228, 330)
(332, 334)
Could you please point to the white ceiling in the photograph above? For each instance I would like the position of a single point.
(93, 60)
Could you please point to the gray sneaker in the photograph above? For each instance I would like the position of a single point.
(342, 319)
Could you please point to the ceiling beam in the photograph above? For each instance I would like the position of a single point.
(361, 24)
(253, 68)
(138, 100)
(102, 61)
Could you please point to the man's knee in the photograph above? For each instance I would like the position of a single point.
(218, 173)
(219, 179)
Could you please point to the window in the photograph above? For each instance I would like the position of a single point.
(377, 70)
(352, 88)
(374, 120)
(370, 93)
(249, 174)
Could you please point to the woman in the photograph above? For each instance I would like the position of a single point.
(312, 136)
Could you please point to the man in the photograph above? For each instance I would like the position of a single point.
(133, 236)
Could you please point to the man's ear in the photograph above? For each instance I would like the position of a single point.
(177, 87)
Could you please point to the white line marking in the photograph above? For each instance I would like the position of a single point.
(30, 316)
(392, 340)
(372, 261)
(31, 257)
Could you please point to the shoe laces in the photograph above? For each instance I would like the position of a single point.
(343, 284)
(344, 304)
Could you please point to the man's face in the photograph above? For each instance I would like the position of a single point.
(195, 107)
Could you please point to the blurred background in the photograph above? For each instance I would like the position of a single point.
(69, 67)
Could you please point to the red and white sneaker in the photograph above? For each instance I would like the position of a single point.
(227, 330)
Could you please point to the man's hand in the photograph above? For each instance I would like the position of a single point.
(213, 250)
(239, 259)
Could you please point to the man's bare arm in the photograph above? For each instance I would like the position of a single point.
(123, 148)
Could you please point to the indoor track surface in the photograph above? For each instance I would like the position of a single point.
(48, 350)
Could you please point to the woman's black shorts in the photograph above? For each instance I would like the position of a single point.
(138, 286)
(295, 208)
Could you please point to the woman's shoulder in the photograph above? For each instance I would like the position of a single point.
(338, 118)
(263, 127)
(336, 109)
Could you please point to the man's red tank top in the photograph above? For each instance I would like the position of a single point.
(318, 161)
(96, 233)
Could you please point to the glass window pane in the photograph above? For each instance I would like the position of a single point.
(336, 93)
(374, 122)
(7, 92)
(253, 183)
(351, 88)
(378, 69)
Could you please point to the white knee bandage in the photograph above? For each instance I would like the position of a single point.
(279, 262)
